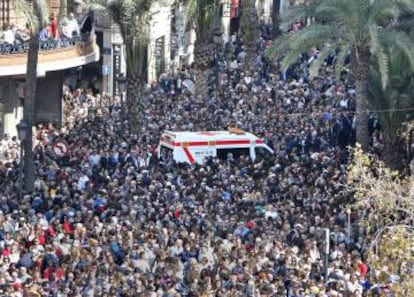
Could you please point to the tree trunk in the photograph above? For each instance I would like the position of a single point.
(30, 100)
(276, 18)
(392, 155)
(133, 101)
(204, 63)
(361, 69)
(249, 25)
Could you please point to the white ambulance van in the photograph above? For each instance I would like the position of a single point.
(195, 147)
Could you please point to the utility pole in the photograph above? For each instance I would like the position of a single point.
(326, 255)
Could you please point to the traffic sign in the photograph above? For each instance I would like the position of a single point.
(60, 148)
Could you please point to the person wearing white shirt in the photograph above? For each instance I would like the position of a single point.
(66, 30)
(9, 36)
(82, 182)
(73, 25)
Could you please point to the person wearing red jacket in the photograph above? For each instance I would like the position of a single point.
(53, 27)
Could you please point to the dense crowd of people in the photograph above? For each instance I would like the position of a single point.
(112, 219)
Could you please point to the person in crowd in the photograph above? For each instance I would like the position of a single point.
(8, 35)
(73, 25)
(44, 34)
(53, 30)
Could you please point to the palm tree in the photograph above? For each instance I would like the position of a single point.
(133, 19)
(361, 28)
(393, 102)
(250, 29)
(34, 15)
(200, 16)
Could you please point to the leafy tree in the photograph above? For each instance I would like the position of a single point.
(364, 29)
(386, 214)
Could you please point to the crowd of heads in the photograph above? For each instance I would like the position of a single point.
(112, 219)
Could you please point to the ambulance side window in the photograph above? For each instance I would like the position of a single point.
(234, 153)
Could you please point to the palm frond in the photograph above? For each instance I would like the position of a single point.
(341, 12)
(341, 55)
(296, 13)
(320, 60)
(204, 20)
(378, 51)
(133, 19)
(191, 9)
(384, 11)
(291, 46)
(200, 15)
(400, 40)
(395, 97)
(279, 47)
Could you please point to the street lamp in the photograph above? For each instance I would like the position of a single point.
(326, 254)
(122, 84)
(21, 128)
(348, 229)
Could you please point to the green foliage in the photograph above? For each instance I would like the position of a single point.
(365, 28)
(249, 23)
(386, 205)
(395, 97)
(133, 19)
(200, 15)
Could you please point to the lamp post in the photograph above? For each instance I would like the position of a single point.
(21, 128)
(348, 229)
(326, 255)
(122, 84)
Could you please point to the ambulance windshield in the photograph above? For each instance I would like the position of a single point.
(262, 152)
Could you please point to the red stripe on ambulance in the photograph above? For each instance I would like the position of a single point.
(188, 155)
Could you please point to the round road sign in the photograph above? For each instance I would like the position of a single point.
(60, 148)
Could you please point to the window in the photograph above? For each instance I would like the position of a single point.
(224, 154)
(262, 152)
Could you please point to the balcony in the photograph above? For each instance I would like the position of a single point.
(53, 55)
